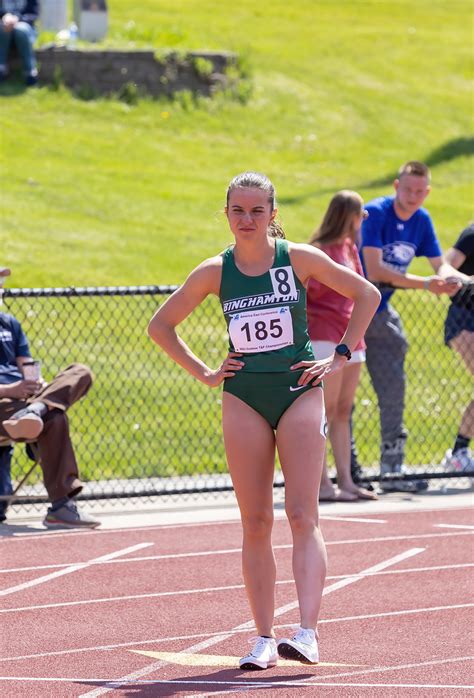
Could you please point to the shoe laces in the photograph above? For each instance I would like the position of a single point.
(72, 506)
(259, 643)
(304, 635)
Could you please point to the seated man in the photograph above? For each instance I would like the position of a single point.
(17, 26)
(32, 410)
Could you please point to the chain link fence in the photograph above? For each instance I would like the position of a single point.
(147, 428)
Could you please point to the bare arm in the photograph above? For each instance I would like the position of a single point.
(377, 271)
(310, 262)
(455, 257)
(202, 281)
(450, 268)
(22, 389)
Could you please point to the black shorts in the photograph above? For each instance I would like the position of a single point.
(457, 320)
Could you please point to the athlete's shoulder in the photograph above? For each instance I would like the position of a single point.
(206, 276)
(301, 250)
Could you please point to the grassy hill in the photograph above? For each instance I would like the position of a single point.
(101, 192)
(106, 193)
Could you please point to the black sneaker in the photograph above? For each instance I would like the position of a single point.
(357, 475)
(412, 486)
(68, 516)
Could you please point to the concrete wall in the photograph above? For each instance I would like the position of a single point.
(102, 72)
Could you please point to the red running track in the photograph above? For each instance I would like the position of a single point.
(161, 611)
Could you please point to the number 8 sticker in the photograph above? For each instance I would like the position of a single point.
(283, 282)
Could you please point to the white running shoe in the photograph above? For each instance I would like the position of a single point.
(303, 646)
(263, 655)
(459, 461)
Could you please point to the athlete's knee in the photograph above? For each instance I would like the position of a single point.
(83, 375)
(257, 525)
(302, 521)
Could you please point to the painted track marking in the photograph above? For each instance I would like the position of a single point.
(233, 587)
(334, 576)
(177, 638)
(229, 551)
(353, 519)
(251, 683)
(71, 569)
(465, 526)
(218, 660)
(16, 537)
(249, 624)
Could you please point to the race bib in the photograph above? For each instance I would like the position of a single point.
(261, 330)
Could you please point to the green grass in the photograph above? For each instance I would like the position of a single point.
(101, 192)
(104, 193)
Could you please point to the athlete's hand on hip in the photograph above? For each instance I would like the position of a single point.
(227, 369)
(314, 370)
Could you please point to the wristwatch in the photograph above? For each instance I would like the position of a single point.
(343, 350)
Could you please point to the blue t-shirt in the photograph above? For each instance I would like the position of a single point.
(399, 240)
(13, 343)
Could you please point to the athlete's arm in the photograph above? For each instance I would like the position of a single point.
(377, 271)
(455, 257)
(203, 280)
(309, 262)
(449, 271)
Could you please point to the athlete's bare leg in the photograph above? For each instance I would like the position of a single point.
(301, 446)
(250, 448)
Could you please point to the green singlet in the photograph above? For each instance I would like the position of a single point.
(266, 321)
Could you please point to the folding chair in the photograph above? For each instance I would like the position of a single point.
(6, 453)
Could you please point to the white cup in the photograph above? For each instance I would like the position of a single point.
(31, 370)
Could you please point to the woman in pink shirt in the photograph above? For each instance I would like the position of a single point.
(328, 315)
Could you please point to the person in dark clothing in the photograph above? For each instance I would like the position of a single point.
(459, 336)
(32, 410)
(17, 27)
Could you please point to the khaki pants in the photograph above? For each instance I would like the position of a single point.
(57, 459)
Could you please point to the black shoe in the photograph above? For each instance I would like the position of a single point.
(31, 80)
(358, 477)
(412, 486)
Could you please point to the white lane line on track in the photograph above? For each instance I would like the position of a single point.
(198, 636)
(249, 624)
(232, 551)
(353, 519)
(402, 667)
(72, 568)
(15, 537)
(233, 587)
(242, 684)
(254, 687)
(465, 526)
(152, 558)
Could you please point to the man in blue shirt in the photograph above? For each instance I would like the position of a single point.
(397, 230)
(33, 410)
